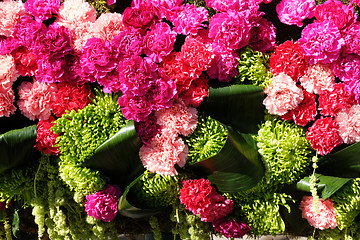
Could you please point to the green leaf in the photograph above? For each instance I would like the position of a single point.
(118, 157)
(129, 210)
(328, 185)
(17, 147)
(239, 106)
(344, 163)
(293, 217)
(237, 166)
(15, 223)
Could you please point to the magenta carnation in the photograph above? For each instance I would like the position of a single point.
(224, 65)
(103, 205)
(349, 124)
(127, 43)
(10, 14)
(262, 37)
(189, 19)
(231, 228)
(293, 12)
(141, 14)
(322, 219)
(333, 10)
(136, 108)
(321, 42)
(347, 68)
(42, 9)
(324, 136)
(29, 33)
(147, 129)
(352, 38)
(36, 99)
(46, 139)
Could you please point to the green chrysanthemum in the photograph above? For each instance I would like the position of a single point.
(207, 139)
(286, 152)
(101, 6)
(351, 232)
(253, 68)
(156, 190)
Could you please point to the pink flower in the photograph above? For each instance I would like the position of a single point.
(103, 205)
(262, 37)
(80, 33)
(357, 2)
(324, 219)
(231, 228)
(288, 58)
(324, 136)
(136, 108)
(340, 14)
(46, 139)
(318, 78)
(347, 68)
(147, 129)
(230, 29)
(25, 61)
(349, 124)
(7, 71)
(108, 25)
(163, 152)
(178, 118)
(227, 5)
(141, 14)
(36, 99)
(42, 9)
(224, 65)
(293, 12)
(75, 12)
(127, 43)
(198, 90)
(321, 42)
(7, 99)
(10, 13)
(30, 33)
(282, 95)
(352, 38)
(189, 19)
(159, 41)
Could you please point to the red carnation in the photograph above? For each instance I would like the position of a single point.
(198, 90)
(46, 138)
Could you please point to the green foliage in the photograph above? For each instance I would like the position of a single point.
(101, 6)
(201, 3)
(352, 232)
(253, 68)
(156, 190)
(207, 139)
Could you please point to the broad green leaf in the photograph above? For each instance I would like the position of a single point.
(344, 163)
(239, 106)
(17, 147)
(293, 217)
(118, 157)
(237, 166)
(126, 207)
(328, 185)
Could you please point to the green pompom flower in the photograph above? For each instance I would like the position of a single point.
(351, 232)
(207, 140)
(253, 68)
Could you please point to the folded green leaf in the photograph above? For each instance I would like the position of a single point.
(17, 147)
(328, 185)
(118, 157)
(237, 166)
(239, 106)
(344, 163)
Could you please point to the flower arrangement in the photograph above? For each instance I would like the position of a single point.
(189, 117)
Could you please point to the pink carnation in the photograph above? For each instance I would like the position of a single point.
(231, 228)
(321, 42)
(42, 9)
(46, 139)
(80, 33)
(147, 129)
(333, 101)
(224, 65)
(357, 2)
(178, 118)
(282, 95)
(36, 99)
(7, 99)
(141, 14)
(293, 12)
(25, 61)
(324, 136)
(347, 68)
(127, 43)
(201, 198)
(10, 13)
(318, 78)
(227, 5)
(30, 33)
(333, 10)
(75, 12)
(352, 38)
(103, 205)
(323, 219)
(190, 19)
(230, 30)
(262, 37)
(349, 124)
(136, 108)
(7, 71)
(163, 152)
(159, 41)
(108, 25)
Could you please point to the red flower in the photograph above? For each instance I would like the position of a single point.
(46, 138)
(198, 90)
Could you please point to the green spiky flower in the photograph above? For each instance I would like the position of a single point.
(253, 68)
(207, 139)
(351, 232)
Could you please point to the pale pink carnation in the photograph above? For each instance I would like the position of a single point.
(103, 205)
(190, 19)
(80, 33)
(321, 42)
(349, 124)
(163, 152)
(10, 13)
(36, 99)
(282, 95)
(74, 12)
(179, 118)
(42, 9)
(293, 12)
(7, 71)
(318, 78)
(108, 25)
(7, 99)
(323, 219)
